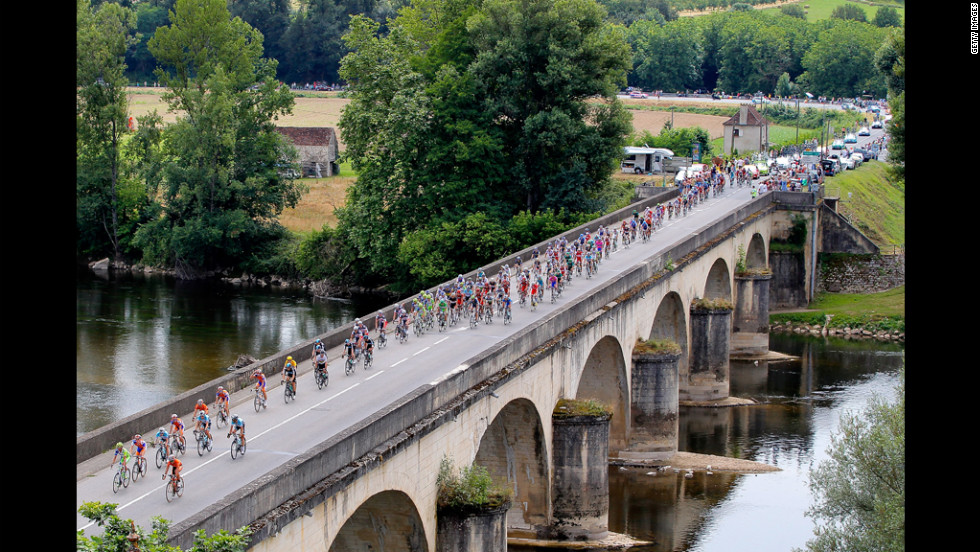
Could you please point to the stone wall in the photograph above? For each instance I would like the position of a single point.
(859, 273)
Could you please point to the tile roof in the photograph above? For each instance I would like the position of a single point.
(309, 136)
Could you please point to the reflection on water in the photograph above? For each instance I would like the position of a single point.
(800, 403)
(142, 339)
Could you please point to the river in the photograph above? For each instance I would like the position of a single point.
(142, 339)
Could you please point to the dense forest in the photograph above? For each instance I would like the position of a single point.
(736, 50)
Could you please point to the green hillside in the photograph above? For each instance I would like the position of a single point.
(873, 201)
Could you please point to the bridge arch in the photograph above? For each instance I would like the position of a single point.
(605, 378)
(755, 255)
(386, 521)
(718, 284)
(514, 450)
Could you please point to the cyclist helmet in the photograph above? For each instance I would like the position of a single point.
(118, 445)
(173, 416)
(234, 417)
(347, 342)
(259, 371)
(220, 388)
(289, 358)
(200, 401)
(317, 340)
(137, 437)
(172, 457)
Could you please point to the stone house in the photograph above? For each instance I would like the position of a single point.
(746, 131)
(317, 147)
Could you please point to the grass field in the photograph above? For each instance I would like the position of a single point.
(821, 9)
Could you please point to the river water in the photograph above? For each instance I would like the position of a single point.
(142, 339)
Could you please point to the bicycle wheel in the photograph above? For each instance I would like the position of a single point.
(234, 449)
(201, 446)
(161, 457)
(181, 445)
(257, 402)
(318, 377)
(349, 366)
(126, 476)
(116, 482)
(180, 487)
(139, 468)
(222, 419)
(171, 491)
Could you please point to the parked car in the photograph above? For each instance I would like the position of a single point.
(830, 167)
(865, 131)
(857, 158)
(847, 163)
(850, 138)
(867, 154)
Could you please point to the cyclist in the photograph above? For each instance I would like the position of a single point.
(163, 439)
(289, 372)
(173, 462)
(317, 347)
(221, 400)
(260, 384)
(139, 445)
(200, 408)
(368, 347)
(380, 323)
(204, 424)
(320, 361)
(176, 426)
(349, 350)
(237, 425)
(123, 456)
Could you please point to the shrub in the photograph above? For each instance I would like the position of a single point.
(468, 490)
(569, 408)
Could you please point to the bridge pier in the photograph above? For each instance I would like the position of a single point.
(654, 407)
(708, 369)
(483, 531)
(750, 319)
(580, 485)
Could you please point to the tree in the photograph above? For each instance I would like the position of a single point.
(116, 532)
(104, 198)
(841, 62)
(860, 488)
(667, 57)
(466, 108)
(890, 60)
(224, 179)
(887, 16)
(793, 10)
(849, 12)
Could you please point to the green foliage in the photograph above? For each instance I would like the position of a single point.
(222, 168)
(656, 346)
(793, 10)
(108, 198)
(457, 123)
(859, 490)
(849, 12)
(797, 231)
(570, 408)
(470, 489)
(841, 61)
(115, 533)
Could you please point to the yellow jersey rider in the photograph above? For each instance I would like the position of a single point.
(289, 372)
